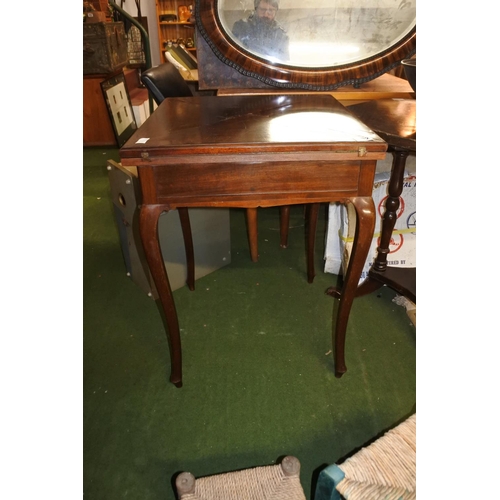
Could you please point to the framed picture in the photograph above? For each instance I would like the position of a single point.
(119, 108)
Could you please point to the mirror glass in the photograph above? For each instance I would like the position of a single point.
(316, 33)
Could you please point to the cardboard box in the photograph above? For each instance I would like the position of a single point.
(402, 249)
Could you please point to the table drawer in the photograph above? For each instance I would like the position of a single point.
(256, 184)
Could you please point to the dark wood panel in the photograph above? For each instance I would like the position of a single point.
(97, 128)
(255, 182)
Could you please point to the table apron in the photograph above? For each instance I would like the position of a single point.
(241, 155)
(255, 184)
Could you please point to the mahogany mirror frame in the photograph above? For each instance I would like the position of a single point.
(280, 75)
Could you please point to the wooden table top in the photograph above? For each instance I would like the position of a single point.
(248, 125)
(395, 120)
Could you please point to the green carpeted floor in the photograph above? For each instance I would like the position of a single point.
(258, 367)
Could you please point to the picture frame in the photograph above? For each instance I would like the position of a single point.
(119, 106)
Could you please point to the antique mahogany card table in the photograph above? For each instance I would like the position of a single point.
(249, 152)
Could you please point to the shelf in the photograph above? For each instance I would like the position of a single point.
(192, 49)
(174, 30)
(175, 23)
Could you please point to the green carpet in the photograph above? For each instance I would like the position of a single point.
(258, 368)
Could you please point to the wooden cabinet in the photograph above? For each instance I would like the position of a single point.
(175, 20)
(97, 128)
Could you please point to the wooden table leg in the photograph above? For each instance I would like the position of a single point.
(312, 222)
(380, 264)
(188, 245)
(148, 225)
(284, 225)
(252, 230)
(394, 190)
(392, 203)
(365, 226)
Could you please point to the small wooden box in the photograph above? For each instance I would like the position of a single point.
(104, 48)
(100, 5)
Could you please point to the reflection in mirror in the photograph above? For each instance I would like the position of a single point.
(316, 33)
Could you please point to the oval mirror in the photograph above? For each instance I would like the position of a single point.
(319, 45)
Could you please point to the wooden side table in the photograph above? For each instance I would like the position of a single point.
(395, 121)
(249, 152)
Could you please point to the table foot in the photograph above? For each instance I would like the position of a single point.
(177, 384)
(333, 291)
